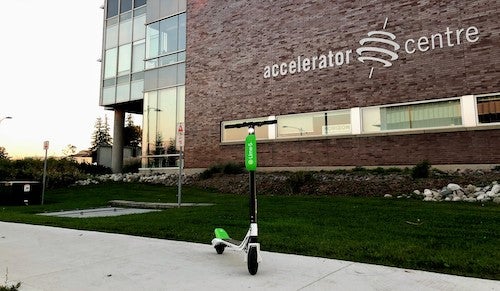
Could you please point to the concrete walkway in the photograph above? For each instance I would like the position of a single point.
(48, 258)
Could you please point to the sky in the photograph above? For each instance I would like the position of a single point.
(50, 75)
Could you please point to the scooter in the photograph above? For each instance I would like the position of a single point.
(250, 243)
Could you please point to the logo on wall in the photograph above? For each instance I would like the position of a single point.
(379, 49)
(372, 54)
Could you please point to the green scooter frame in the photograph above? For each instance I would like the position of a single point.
(250, 243)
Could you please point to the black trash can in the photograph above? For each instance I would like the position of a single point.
(20, 192)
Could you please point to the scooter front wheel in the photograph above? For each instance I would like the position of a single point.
(252, 263)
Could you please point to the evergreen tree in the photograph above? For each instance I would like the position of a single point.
(132, 133)
(101, 134)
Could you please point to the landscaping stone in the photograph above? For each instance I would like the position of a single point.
(443, 187)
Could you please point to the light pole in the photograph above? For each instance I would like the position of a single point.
(7, 117)
(300, 129)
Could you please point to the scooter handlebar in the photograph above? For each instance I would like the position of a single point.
(251, 124)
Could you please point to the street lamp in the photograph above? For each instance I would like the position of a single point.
(300, 129)
(7, 117)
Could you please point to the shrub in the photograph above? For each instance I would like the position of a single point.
(297, 180)
(421, 170)
(229, 168)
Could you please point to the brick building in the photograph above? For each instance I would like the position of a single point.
(350, 83)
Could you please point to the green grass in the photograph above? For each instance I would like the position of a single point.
(454, 238)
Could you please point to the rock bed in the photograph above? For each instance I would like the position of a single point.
(330, 183)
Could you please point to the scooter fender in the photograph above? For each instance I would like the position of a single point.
(255, 245)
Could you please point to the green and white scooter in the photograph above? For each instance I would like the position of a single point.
(250, 243)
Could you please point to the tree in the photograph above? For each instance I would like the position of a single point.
(101, 135)
(69, 151)
(132, 134)
(3, 154)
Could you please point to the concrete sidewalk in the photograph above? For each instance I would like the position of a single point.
(48, 258)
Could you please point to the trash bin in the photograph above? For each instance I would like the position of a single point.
(20, 192)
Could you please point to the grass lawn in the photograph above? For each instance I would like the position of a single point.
(454, 238)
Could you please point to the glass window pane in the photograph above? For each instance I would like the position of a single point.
(112, 9)
(125, 5)
(125, 29)
(488, 109)
(150, 80)
(425, 115)
(182, 31)
(181, 73)
(370, 119)
(138, 3)
(152, 40)
(123, 89)
(124, 59)
(167, 102)
(299, 125)
(239, 134)
(139, 27)
(335, 122)
(168, 35)
(167, 60)
(167, 76)
(138, 56)
(136, 88)
(151, 112)
(110, 60)
(108, 95)
(111, 36)
(181, 101)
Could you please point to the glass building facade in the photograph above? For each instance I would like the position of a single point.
(143, 70)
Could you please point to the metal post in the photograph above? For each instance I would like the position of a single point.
(179, 186)
(44, 175)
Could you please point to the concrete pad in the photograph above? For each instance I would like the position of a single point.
(48, 258)
(98, 212)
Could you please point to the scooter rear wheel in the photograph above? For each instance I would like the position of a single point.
(220, 248)
(252, 263)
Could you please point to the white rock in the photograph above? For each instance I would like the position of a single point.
(496, 200)
(429, 198)
(416, 192)
(470, 199)
(495, 189)
(453, 187)
(447, 198)
(456, 198)
(427, 192)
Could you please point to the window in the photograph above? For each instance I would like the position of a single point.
(138, 56)
(124, 59)
(488, 109)
(168, 35)
(125, 34)
(136, 86)
(111, 34)
(315, 124)
(412, 116)
(123, 89)
(239, 134)
(152, 40)
(139, 31)
(112, 9)
(125, 5)
(110, 61)
(138, 3)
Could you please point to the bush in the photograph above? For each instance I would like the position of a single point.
(421, 170)
(132, 165)
(297, 180)
(229, 168)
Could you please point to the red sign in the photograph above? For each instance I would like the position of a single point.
(46, 145)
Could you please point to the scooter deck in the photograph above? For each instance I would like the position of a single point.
(221, 234)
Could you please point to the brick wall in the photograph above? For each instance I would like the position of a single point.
(230, 43)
